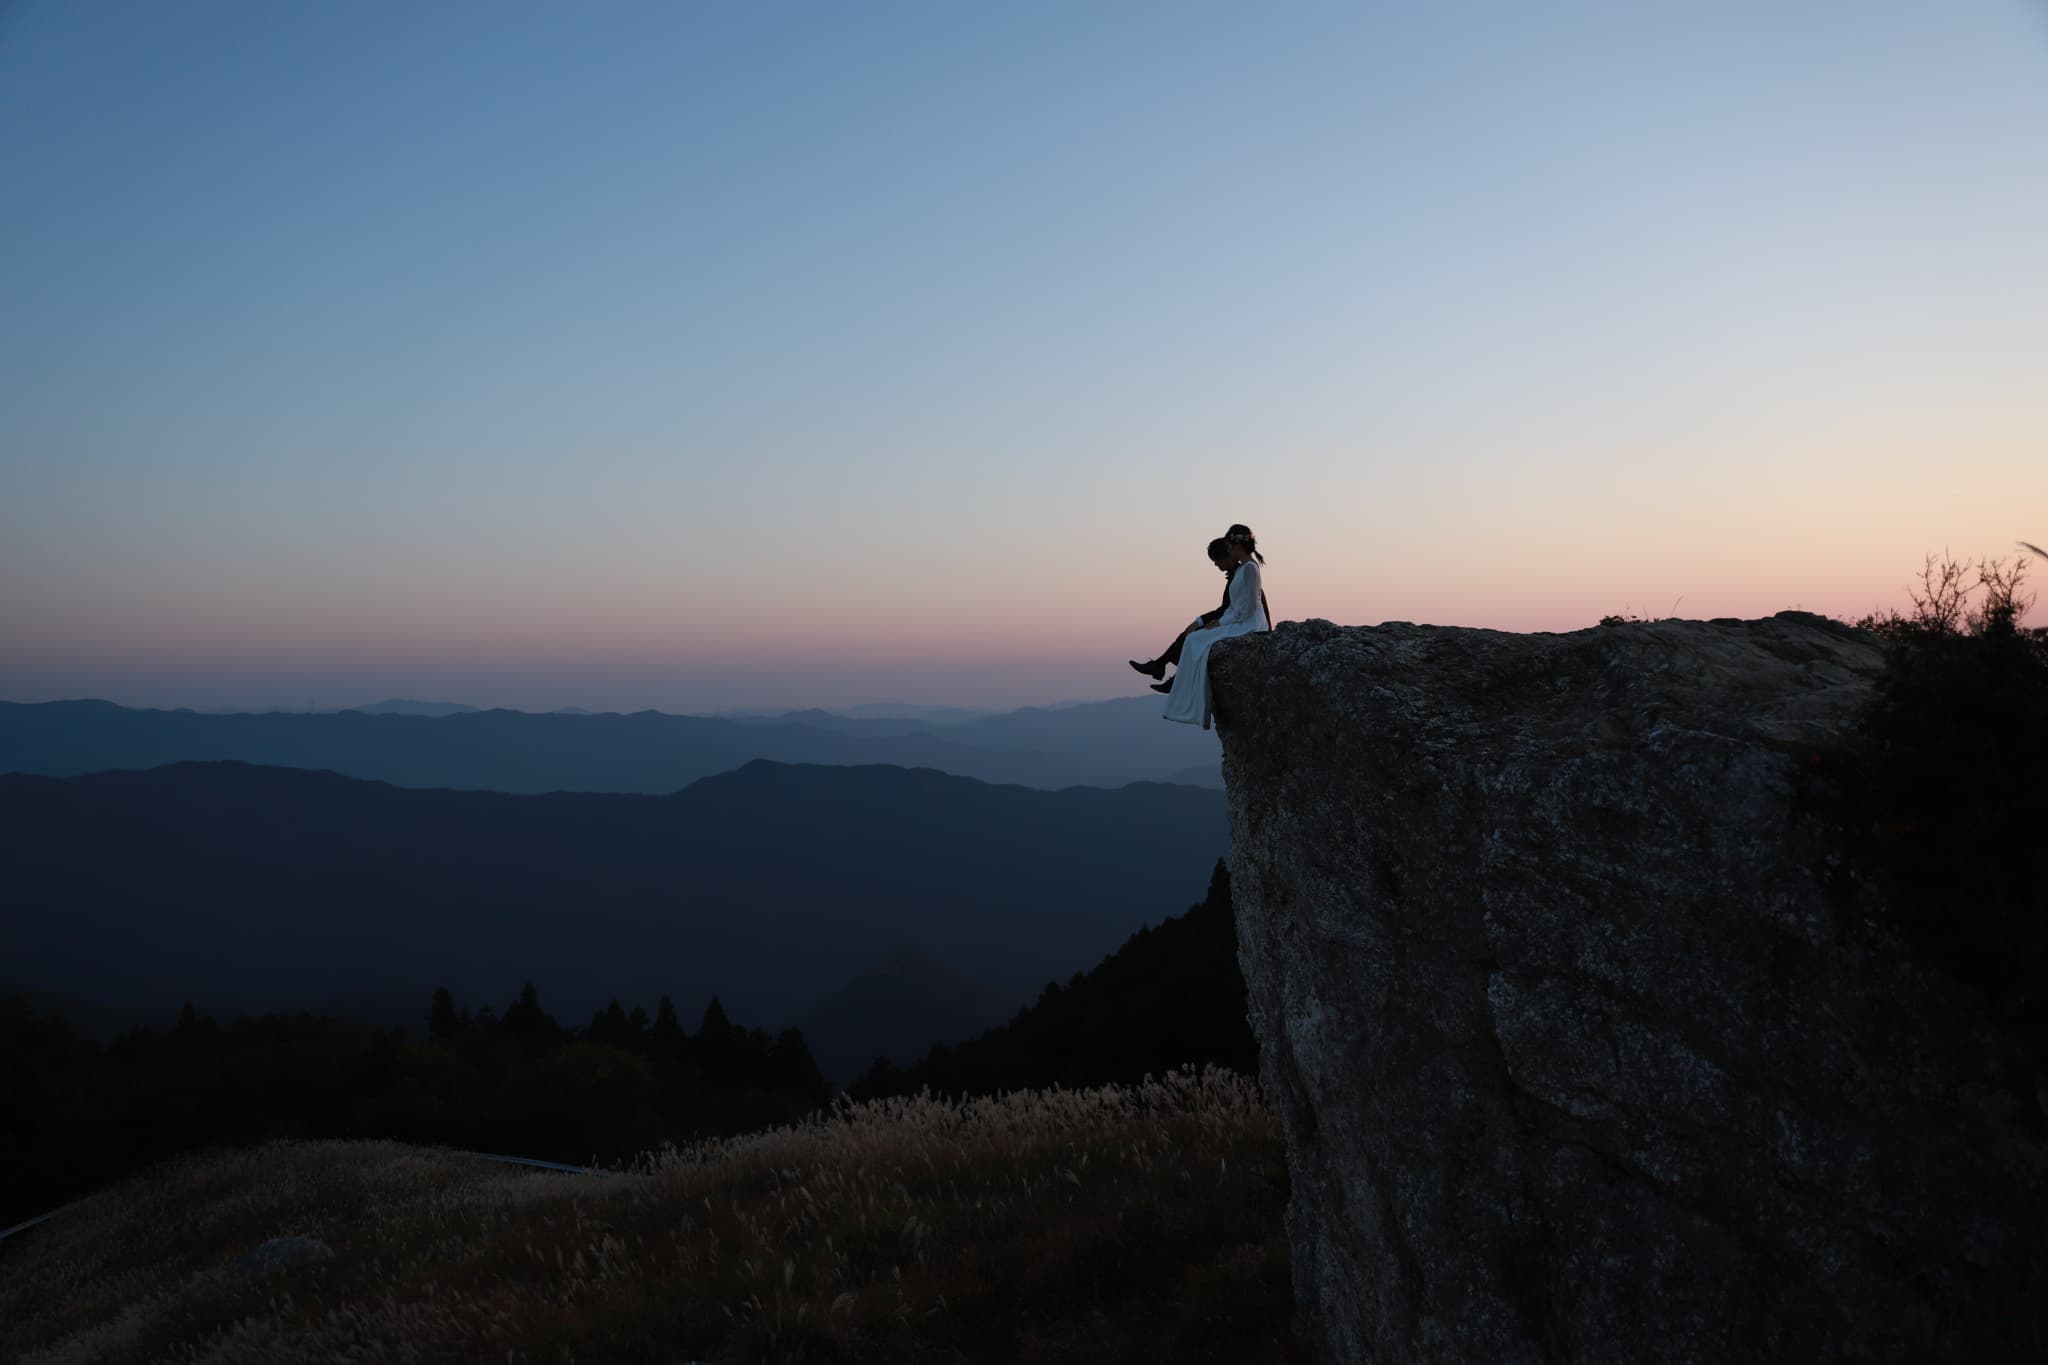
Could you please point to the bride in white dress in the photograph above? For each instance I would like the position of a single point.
(1188, 703)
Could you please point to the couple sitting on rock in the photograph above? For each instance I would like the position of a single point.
(1244, 610)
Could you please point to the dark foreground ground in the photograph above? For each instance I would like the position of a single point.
(1137, 1223)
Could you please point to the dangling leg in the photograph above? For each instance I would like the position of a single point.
(1156, 668)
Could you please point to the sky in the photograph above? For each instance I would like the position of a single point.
(712, 355)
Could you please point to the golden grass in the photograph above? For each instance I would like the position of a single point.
(1135, 1223)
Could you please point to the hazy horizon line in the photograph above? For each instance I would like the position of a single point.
(844, 709)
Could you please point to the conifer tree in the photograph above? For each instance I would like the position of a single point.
(666, 1037)
(791, 1066)
(525, 1020)
(608, 1025)
(441, 1018)
(717, 1044)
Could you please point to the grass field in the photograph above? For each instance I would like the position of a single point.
(1137, 1223)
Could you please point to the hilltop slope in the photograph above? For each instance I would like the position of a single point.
(240, 886)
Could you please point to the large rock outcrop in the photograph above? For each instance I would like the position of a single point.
(1588, 1044)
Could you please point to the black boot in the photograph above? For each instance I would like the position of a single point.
(1162, 687)
(1155, 669)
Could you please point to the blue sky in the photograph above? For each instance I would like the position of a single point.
(757, 354)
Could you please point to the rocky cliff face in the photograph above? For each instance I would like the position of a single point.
(1587, 1044)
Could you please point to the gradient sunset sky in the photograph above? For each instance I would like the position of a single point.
(714, 355)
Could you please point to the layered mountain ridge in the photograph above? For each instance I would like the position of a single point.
(257, 887)
(1103, 744)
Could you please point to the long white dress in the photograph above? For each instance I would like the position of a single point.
(1188, 703)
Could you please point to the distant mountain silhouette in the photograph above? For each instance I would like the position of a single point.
(890, 710)
(1105, 744)
(898, 1006)
(1200, 775)
(250, 887)
(885, 728)
(887, 710)
(404, 706)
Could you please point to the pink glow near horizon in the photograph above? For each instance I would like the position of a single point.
(606, 401)
(770, 654)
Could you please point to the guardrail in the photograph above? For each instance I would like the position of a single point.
(39, 1218)
(535, 1162)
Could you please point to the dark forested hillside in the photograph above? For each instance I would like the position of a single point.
(898, 1006)
(247, 887)
(1171, 996)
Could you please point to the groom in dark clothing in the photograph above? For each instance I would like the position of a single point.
(1219, 555)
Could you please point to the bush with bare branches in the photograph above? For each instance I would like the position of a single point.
(1939, 789)
(1961, 597)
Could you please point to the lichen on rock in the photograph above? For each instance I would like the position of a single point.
(1587, 1044)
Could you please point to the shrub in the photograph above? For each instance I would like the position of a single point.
(1939, 784)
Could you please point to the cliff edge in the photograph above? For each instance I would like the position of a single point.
(1587, 1042)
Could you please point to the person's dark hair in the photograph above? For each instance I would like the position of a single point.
(1218, 548)
(1241, 534)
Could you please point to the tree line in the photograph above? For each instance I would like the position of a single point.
(518, 1081)
(515, 1081)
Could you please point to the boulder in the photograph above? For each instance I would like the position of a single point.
(1589, 1042)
